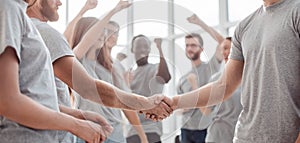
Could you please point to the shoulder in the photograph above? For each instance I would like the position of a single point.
(45, 29)
(248, 20)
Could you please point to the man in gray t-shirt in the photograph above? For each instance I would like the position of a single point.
(29, 105)
(194, 123)
(268, 44)
(265, 57)
(57, 50)
(148, 79)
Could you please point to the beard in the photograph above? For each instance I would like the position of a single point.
(48, 12)
(194, 56)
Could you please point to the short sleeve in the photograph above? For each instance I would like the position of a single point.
(179, 90)
(11, 28)
(55, 42)
(236, 52)
(214, 64)
(296, 18)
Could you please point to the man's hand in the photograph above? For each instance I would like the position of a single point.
(88, 131)
(194, 19)
(97, 118)
(122, 5)
(161, 109)
(90, 4)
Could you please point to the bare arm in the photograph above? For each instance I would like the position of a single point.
(71, 72)
(194, 19)
(90, 4)
(95, 32)
(163, 70)
(135, 122)
(23, 110)
(88, 115)
(215, 92)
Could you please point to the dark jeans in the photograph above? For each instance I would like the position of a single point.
(152, 138)
(193, 136)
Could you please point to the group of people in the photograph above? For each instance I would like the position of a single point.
(63, 87)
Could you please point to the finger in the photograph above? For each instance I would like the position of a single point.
(166, 110)
(168, 101)
(147, 116)
(154, 117)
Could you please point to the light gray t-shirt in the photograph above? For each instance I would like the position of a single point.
(58, 47)
(194, 119)
(225, 116)
(113, 116)
(145, 82)
(268, 43)
(36, 78)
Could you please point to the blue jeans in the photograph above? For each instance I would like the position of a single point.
(193, 136)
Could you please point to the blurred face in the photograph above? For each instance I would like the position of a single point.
(225, 46)
(192, 48)
(141, 48)
(49, 9)
(113, 34)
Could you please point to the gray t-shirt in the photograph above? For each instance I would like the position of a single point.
(113, 116)
(225, 116)
(145, 82)
(193, 119)
(36, 78)
(268, 43)
(58, 47)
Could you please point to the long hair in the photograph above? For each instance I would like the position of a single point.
(103, 55)
(82, 26)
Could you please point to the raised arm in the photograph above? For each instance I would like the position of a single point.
(163, 70)
(89, 4)
(215, 92)
(95, 32)
(19, 108)
(194, 19)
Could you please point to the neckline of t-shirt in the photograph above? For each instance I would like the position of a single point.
(274, 6)
(23, 5)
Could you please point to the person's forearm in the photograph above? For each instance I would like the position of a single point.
(215, 92)
(70, 28)
(72, 112)
(114, 97)
(212, 32)
(163, 70)
(27, 112)
(92, 35)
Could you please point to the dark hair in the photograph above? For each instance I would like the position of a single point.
(228, 38)
(138, 36)
(195, 35)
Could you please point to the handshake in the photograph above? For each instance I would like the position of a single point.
(158, 107)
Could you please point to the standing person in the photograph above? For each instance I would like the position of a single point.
(148, 79)
(67, 67)
(194, 122)
(102, 67)
(28, 99)
(265, 58)
(226, 114)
